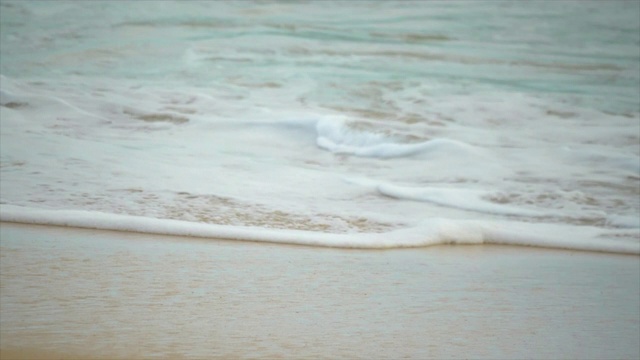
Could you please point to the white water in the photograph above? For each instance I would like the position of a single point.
(354, 124)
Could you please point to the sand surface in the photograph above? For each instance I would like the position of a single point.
(73, 293)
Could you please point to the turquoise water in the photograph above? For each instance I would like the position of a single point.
(558, 47)
(356, 117)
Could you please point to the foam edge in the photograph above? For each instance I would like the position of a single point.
(430, 232)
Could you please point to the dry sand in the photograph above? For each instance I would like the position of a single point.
(72, 293)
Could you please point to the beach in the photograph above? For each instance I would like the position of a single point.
(79, 293)
(319, 179)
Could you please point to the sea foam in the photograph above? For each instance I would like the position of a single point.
(428, 233)
(369, 124)
(336, 135)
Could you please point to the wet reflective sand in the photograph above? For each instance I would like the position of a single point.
(99, 294)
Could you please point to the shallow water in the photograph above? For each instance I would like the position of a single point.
(98, 294)
(465, 122)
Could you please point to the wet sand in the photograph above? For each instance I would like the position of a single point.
(74, 293)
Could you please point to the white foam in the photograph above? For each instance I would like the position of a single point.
(429, 232)
(480, 201)
(335, 135)
(622, 221)
(467, 199)
(244, 115)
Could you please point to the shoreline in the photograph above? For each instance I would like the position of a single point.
(107, 294)
(306, 238)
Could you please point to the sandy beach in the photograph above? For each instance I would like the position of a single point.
(77, 293)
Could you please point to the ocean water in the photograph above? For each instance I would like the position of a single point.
(367, 124)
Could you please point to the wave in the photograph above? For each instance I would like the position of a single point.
(429, 232)
(340, 136)
(497, 203)
(465, 199)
